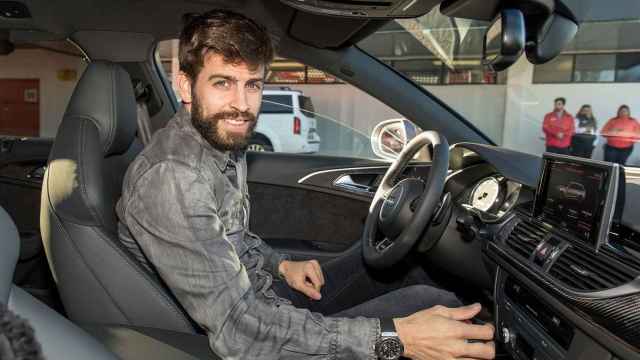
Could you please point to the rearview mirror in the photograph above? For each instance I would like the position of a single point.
(389, 137)
(504, 40)
(550, 39)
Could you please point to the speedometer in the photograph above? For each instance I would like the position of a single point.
(486, 194)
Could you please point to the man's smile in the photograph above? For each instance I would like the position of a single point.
(237, 125)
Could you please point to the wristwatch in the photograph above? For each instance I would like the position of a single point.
(388, 345)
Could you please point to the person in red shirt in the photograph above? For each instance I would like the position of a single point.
(558, 127)
(621, 132)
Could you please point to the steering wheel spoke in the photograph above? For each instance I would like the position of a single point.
(402, 210)
(383, 245)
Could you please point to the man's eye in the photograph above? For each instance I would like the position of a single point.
(223, 84)
(254, 86)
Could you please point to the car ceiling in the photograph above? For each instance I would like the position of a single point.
(126, 30)
(137, 24)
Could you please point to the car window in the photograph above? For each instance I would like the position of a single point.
(306, 105)
(36, 83)
(596, 76)
(305, 110)
(277, 104)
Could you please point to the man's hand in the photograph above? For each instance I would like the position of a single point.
(440, 333)
(304, 276)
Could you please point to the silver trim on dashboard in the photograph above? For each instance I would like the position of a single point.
(303, 179)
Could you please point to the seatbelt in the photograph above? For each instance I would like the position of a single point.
(141, 93)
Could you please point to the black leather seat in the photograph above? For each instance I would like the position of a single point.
(57, 336)
(98, 280)
(60, 339)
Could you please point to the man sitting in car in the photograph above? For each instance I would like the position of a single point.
(185, 213)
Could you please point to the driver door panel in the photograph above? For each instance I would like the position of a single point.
(304, 206)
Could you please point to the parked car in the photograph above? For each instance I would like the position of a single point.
(286, 123)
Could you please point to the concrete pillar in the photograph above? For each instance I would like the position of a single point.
(521, 131)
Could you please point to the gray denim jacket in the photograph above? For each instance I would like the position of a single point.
(184, 212)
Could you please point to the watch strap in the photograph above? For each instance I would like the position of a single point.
(387, 325)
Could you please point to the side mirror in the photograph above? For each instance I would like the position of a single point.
(504, 41)
(389, 137)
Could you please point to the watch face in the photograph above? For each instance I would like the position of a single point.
(389, 348)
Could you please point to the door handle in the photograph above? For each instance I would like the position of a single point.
(346, 182)
(37, 173)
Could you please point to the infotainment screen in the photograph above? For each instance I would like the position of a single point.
(577, 196)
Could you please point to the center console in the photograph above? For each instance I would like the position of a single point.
(529, 328)
(567, 284)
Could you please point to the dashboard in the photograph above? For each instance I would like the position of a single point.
(558, 241)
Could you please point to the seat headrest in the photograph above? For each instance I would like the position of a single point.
(105, 96)
(9, 252)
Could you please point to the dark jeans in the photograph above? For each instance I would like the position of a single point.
(351, 289)
(558, 150)
(617, 155)
(582, 145)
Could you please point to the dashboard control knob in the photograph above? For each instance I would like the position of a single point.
(506, 335)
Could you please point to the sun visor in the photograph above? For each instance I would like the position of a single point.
(115, 46)
(31, 36)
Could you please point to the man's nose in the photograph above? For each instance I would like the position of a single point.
(240, 102)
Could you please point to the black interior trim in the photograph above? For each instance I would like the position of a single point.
(595, 331)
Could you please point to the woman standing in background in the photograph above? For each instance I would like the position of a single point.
(621, 132)
(582, 143)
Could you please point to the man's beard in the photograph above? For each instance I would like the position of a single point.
(210, 130)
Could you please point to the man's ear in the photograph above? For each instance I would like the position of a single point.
(184, 87)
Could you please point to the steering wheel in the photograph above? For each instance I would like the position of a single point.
(399, 213)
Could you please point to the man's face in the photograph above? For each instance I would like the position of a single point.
(558, 106)
(224, 102)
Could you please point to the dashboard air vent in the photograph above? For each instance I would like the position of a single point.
(525, 237)
(584, 270)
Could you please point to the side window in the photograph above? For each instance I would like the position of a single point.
(36, 83)
(277, 104)
(305, 110)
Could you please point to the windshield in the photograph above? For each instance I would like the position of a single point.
(582, 103)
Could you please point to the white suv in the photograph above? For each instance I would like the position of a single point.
(286, 123)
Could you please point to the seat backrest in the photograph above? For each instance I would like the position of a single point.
(57, 337)
(98, 279)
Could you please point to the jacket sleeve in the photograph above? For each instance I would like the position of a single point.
(571, 126)
(172, 213)
(635, 131)
(547, 128)
(606, 128)
(272, 258)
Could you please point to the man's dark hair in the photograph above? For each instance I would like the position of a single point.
(235, 37)
(561, 99)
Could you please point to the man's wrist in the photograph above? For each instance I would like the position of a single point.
(402, 336)
(282, 268)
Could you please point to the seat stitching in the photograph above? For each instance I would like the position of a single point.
(110, 135)
(145, 276)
